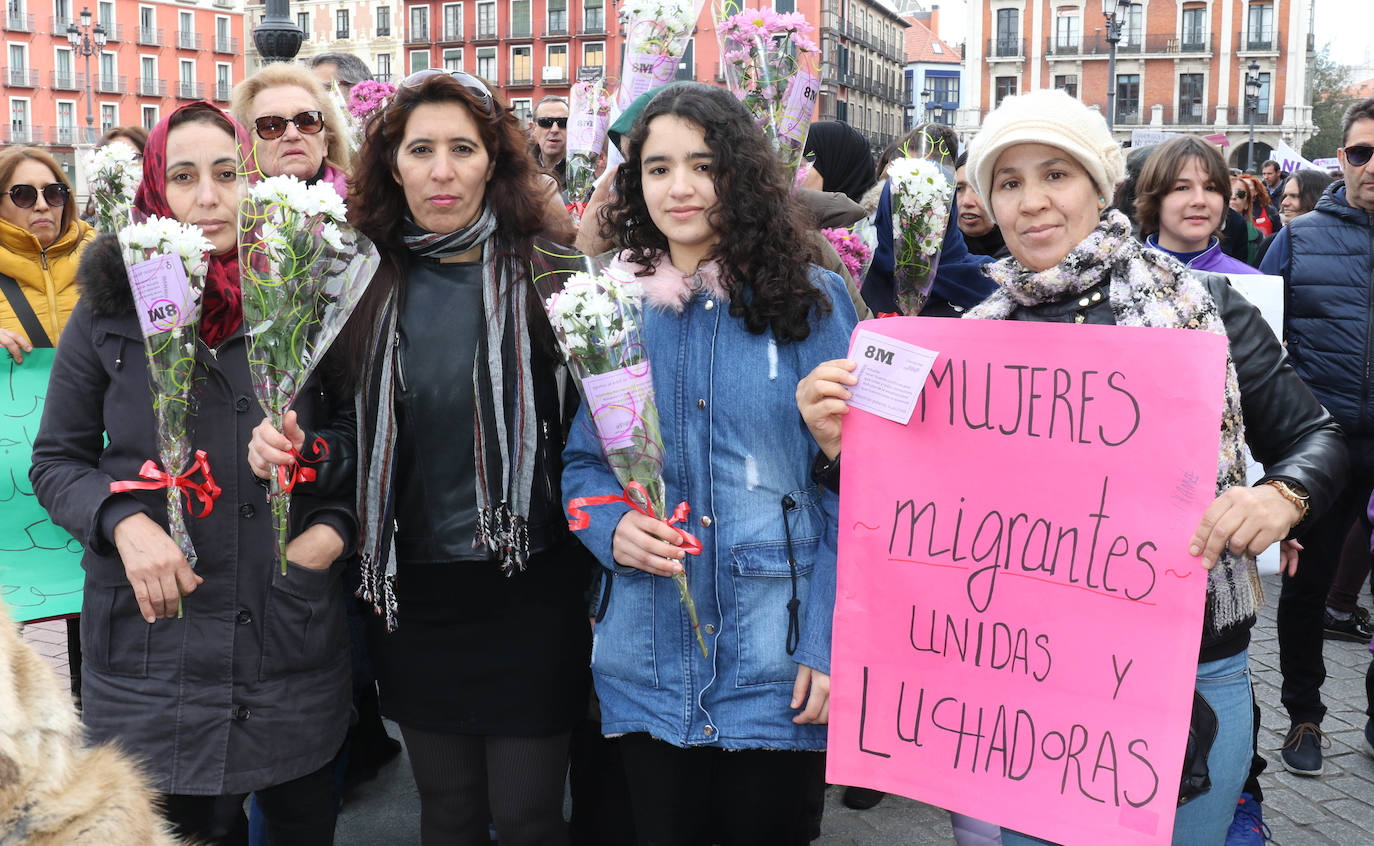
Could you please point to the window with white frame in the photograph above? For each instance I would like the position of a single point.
(419, 23)
(341, 24)
(1068, 29)
(383, 21)
(522, 109)
(383, 66)
(62, 69)
(594, 54)
(520, 18)
(105, 14)
(109, 116)
(521, 65)
(19, 120)
(555, 63)
(453, 21)
(186, 80)
(486, 20)
(419, 60)
(557, 17)
(224, 80)
(1259, 28)
(453, 59)
(108, 82)
(149, 117)
(593, 16)
(486, 64)
(66, 122)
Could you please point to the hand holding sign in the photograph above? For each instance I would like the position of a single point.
(822, 399)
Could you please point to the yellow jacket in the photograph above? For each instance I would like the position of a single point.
(47, 277)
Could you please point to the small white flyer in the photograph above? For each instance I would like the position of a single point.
(891, 375)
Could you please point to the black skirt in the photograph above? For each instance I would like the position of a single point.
(477, 652)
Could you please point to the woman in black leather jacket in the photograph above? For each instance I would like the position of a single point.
(1047, 164)
(481, 643)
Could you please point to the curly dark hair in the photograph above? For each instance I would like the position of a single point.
(377, 204)
(763, 251)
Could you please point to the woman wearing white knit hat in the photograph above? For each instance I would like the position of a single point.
(1045, 164)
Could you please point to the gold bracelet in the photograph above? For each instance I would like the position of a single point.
(1293, 494)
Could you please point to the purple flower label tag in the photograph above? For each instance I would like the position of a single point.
(616, 402)
(162, 294)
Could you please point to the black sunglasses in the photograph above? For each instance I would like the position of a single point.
(1240, 195)
(55, 194)
(272, 127)
(548, 122)
(475, 86)
(1359, 155)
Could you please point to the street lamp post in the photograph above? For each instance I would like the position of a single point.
(87, 41)
(1252, 92)
(925, 105)
(278, 39)
(1109, 11)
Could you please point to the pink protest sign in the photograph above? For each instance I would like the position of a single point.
(1017, 618)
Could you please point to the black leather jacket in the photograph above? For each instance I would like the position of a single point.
(1287, 430)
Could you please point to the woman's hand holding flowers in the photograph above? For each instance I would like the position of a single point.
(270, 449)
(1246, 520)
(154, 566)
(822, 398)
(647, 544)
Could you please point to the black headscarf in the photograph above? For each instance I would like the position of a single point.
(842, 158)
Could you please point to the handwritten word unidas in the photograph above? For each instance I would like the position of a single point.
(982, 643)
(1022, 543)
(1050, 402)
(1007, 742)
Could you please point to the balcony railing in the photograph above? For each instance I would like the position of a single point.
(1239, 116)
(592, 24)
(113, 32)
(191, 90)
(19, 22)
(111, 84)
(149, 35)
(453, 33)
(341, 35)
(23, 134)
(418, 35)
(519, 81)
(150, 87)
(222, 90)
(521, 30)
(557, 25)
(21, 77)
(66, 80)
(1096, 46)
(188, 40)
(1006, 48)
(226, 44)
(67, 136)
(1193, 115)
(1258, 41)
(58, 26)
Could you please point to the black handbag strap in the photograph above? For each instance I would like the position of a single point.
(22, 310)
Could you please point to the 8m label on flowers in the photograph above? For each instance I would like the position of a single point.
(1017, 618)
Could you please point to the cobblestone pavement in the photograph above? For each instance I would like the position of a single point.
(1336, 808)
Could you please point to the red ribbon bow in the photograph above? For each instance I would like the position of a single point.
(289, 474)
(581, 519)
(207, 491)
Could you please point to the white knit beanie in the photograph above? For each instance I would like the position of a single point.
(1048, 116)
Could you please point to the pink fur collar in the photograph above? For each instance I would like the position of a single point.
(667, 287)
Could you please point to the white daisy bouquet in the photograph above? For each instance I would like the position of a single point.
(589, 113)
(921, 197)
(303, 269)
(167, 265)
(656, 33)
(597, 319)
(771, 64)
(112, 175)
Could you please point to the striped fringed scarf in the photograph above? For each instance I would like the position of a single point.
(503, 493)
(1146, 288)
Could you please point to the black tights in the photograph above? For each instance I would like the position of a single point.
(300, 812)
(467, 781)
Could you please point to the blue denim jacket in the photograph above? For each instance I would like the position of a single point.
(736, 448)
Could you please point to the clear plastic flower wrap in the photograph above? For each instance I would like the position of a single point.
(656, 33)
(589, 112)
(921, 198)
(772, 66)
(112, 174)
(167, 265)
(597, 320)
(303, 269)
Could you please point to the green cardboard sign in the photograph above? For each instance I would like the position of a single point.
(40, 564)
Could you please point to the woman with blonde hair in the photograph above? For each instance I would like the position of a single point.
(295, 126)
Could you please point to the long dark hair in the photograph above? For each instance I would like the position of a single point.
(377, 204)
(763, 250)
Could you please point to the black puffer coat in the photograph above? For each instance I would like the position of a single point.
(252, 687)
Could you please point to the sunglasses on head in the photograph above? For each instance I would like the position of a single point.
(55, 194)
(548, 122)
(1240, 195)
(271, 127)
(475, 86)
(1359, 155)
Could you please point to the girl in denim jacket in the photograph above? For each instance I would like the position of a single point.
(725, 748)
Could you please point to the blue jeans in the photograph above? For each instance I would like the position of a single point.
(1225, 684)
